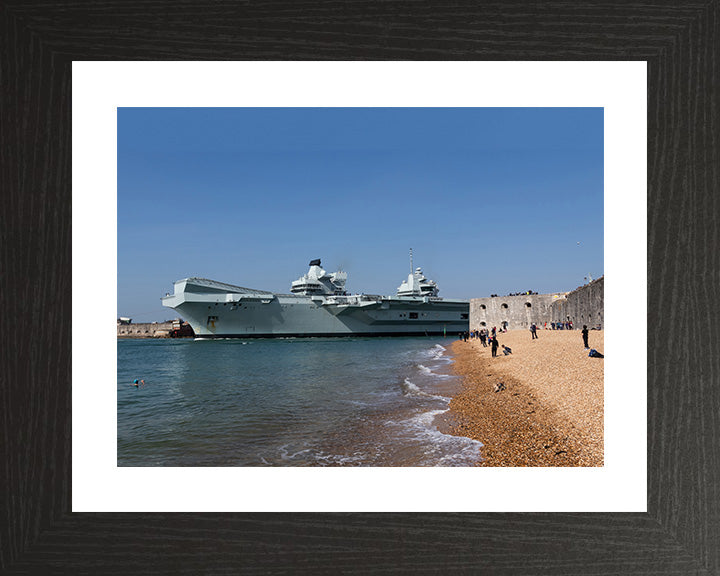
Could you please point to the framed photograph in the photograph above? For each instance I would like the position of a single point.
(466, 130)
(217, 208)
(61, 518)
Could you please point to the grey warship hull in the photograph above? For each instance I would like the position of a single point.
(219, 310)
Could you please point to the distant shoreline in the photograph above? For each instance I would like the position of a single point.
(551, 410)
(153, 330)
(145, 337)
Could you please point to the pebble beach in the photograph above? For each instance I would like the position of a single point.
(549, 411)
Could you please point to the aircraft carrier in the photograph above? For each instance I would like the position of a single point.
(318, 305)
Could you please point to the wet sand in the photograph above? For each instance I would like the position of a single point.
(551, 410)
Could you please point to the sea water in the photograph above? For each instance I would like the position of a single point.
(288, 402)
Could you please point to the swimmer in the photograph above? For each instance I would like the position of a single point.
(136, 383)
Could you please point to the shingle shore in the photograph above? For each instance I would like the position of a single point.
(551, 410)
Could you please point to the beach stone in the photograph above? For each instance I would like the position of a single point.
(557, 400)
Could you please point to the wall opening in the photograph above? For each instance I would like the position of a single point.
(504, 306)
(528, 304)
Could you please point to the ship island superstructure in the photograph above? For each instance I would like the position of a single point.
(318, 305)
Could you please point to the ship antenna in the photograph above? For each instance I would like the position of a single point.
(412, 270)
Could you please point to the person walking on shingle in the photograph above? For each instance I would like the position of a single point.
(585, 334)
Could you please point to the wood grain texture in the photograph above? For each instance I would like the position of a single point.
(681, 532)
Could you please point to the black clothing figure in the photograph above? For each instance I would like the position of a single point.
(494, 345)
(533, 331)
(483, 339)
(585, 336)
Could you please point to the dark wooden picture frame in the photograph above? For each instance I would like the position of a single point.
(680, 533)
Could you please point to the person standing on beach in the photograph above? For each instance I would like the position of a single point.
(585, 336)
(483, 337)
(494, 345)
(533, 331)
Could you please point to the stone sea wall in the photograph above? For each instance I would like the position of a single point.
(145, 330)
(513, 312)
(585, 305)
(171, 329)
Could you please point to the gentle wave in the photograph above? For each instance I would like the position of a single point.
(441, 449)
(317, 457)
(409, 388)
(425, 370)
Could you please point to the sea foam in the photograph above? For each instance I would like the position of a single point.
(440, 449)
(409, 388)
(425, 370)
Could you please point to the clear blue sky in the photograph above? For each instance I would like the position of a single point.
(491, 200)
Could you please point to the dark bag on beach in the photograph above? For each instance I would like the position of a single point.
(595, 354)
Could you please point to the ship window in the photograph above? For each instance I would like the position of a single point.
(413, 315)
(464, 316)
